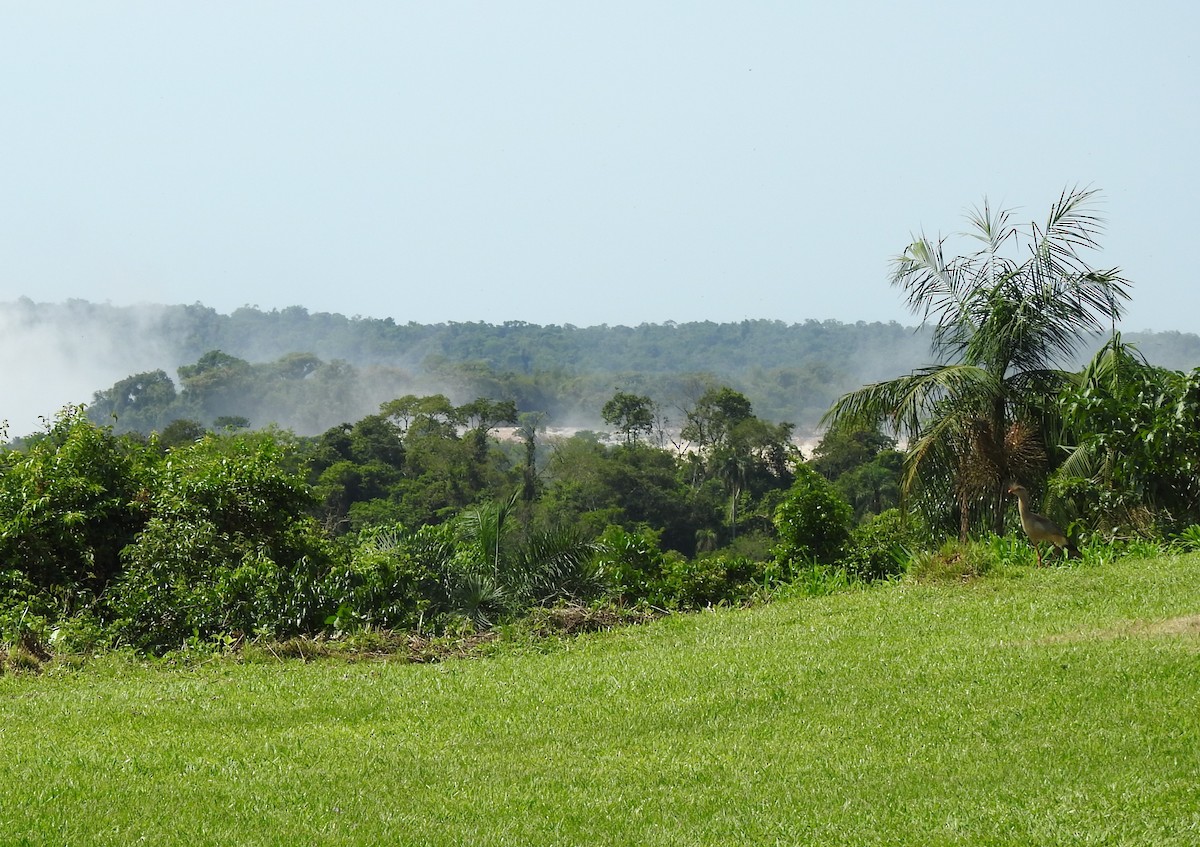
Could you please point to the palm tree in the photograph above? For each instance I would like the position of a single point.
(1003, 318)
(503, 567)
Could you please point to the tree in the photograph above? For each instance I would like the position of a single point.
(434, 412)
(748, 455)
(230, 423)
(1135, 431)
(181, 431)
(812, 521)
(480, 417)
(530, 424)
(218, 384)
(863, 465)
(711, 421)
(592, 485)
(631, 414)
(1001, 325)
(139, 402)
(848, 445)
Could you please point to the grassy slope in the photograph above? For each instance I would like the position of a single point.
(1054, 707)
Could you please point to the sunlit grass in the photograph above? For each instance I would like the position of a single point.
(1054, 706)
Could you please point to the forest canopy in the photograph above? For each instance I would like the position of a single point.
(308, 371)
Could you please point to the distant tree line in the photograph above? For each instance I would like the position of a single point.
(301, 369)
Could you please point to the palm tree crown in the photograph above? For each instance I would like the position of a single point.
(1004, 318)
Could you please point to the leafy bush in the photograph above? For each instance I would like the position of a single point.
(634, 563)
(1135, 463)
(70, 502)
(23, 607)
(879, 548)
(813, 521)
(382, 584)
(710, 580)
(229, 548)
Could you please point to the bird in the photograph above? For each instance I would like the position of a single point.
(1039, 528)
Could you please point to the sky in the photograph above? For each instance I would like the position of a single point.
(579, 163)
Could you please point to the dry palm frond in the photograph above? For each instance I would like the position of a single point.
(1024, 450)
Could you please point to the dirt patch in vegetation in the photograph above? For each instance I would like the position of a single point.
(1188, 625)
(1184, 626)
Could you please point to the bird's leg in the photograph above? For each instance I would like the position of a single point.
(1037, 550)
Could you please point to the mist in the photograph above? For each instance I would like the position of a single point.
(58, 355)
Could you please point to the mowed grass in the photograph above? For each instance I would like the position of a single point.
(1055, 707)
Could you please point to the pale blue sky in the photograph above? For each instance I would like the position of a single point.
(584, 163)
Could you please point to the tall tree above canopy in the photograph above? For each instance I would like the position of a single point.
(631, 414)
(1004, 318)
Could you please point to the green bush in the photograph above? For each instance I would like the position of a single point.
(24, 608)
(710, 580)
(70, 502)
(229, 548)
(813, 521)
(381, 584)
(186, 579)
(879, 548)
(633, 564)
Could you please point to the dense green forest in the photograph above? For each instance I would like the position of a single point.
(254, 499)
(421, 517)
(309, 371)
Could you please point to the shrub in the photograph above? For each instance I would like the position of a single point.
(23, 608)
(713, 579)
(879, 548)
(381, 584)
(70, 502)
(813, 521)
(633, 564)
(229, 548)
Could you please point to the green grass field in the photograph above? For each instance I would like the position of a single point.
(1054, 707)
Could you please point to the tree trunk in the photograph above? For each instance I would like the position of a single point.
(999, 428)
(998, 519)
(964, 514)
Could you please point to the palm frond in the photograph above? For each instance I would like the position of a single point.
(478, 597)
(993, 228)
(1073, 222)
(933, 454)
(906, 402)
(1113, 362)
(559, 562)
(931, 285)
(1083, 462)
(1029, 389)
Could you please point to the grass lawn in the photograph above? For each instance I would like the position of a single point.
(1054, 707)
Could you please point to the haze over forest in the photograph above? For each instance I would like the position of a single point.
(58, 354)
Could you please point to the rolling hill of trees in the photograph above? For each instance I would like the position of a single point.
(308, 371)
